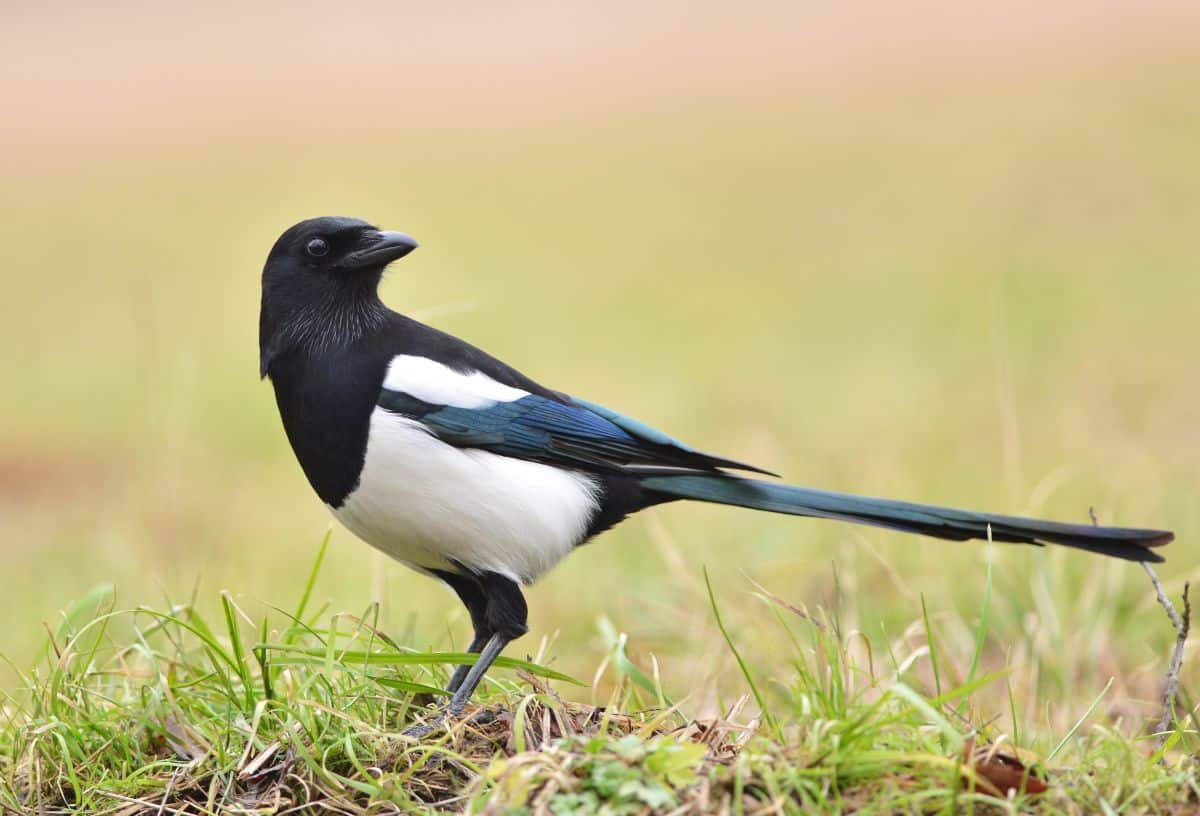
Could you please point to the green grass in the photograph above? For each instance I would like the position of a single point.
(149, 710)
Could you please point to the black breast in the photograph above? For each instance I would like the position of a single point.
(326, 402)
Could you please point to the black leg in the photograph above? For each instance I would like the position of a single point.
(460, 672)
(498, 613)
(471, 593)
(504, 617)
(488, 656)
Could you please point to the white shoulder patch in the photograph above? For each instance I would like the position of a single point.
(437, 384)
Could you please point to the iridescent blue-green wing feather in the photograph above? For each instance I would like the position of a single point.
(569, 433)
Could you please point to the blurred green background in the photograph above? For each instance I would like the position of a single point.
(946, 255)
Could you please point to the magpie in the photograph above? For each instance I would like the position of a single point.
(464, 469)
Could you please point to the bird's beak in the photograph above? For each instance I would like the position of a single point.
(380, 249)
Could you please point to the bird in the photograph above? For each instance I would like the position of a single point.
(468, 471)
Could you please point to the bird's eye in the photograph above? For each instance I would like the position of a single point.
(317, 247)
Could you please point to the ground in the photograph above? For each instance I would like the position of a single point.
(156, 711)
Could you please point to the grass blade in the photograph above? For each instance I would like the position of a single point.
(758, 698)
(983, 621)
(355, 657)
(239, 655)
(1080, 721)
(306, 595)
(933, 658)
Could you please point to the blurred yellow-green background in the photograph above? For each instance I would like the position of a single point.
(938, 251)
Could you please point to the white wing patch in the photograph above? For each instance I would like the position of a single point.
(437, 384)
(431, 505)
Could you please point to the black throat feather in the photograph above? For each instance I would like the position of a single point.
(315, 326)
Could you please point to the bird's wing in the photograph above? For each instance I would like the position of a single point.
(470, 410)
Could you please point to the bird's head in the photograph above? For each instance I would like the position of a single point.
(319, 285)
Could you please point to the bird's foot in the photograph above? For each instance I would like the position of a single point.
(421, 730)
(485, 716)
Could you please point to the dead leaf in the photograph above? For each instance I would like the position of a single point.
(999, 773)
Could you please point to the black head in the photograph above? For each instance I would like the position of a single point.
(319, 284)
(343, 250)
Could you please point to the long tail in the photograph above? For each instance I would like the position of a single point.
(926, 519)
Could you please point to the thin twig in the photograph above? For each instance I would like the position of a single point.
(162, 806)
(1182, 625)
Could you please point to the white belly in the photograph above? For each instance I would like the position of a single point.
(428, 504)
